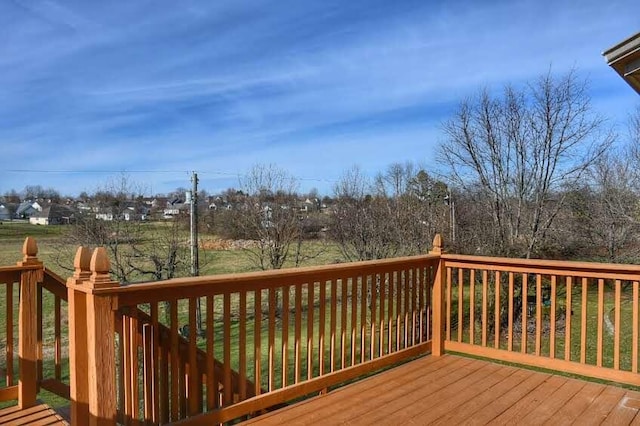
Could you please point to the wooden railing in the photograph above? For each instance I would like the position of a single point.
(138, 354)
(32, 299)
(53, 348)
(580, 318)
(265, 338)
(9, 279)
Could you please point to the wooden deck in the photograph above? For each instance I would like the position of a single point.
(454, 390)
(38, 415)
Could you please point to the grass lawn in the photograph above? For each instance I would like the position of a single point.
(49, 239)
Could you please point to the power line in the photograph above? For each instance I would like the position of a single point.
(92, 171)
(214, 172)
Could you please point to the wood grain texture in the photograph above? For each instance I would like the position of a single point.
(455, 390)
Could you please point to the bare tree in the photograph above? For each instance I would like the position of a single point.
(393, 214)
(267, 213)
(163, 254)
(515, 152)
(136, 249)
(633, 126)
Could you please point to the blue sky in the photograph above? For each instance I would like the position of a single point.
(90, 88)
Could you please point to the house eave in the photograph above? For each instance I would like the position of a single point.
(624, 58)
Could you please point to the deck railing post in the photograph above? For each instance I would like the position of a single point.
(78, 355)
(437, 345)
(92, 341)
(28, 324)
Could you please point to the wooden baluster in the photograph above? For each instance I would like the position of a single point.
(363, 318)
(343, 323)
(242, 341)
(496, 314)
(485, 308)
(39, 339)
(525, 311)
(257, 342)
(472, 307)
(298, 333)
(414, 303)
(583, 323)
(133, 357)
(616, 326)
(421, 307)
(439, 282)
(429, 277)
(148, 371)
(227, 389)
(334, 323)
(57, 332)
(212, 380)
(354, 318)
(406, 293)
(321, 325)
(28, 326)
(599, 343)
(538, 314)
(552, 322)
(635, 318)
(285, 335)
(175, 362)
(272, 338)
(449, 301)
(9, 333)
(194, 386)
(460, 304)
(155, 362)
(373, 289)
(381, 315)
(399, 285)
(392, 277)
(567, 320)
(310, 302)
(510, 316)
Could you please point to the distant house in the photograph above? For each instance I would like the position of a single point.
(129, 212)
(27, 208)
(104, 214)
(5, 213)
(133, 212)
(55, 214)
(174, 208)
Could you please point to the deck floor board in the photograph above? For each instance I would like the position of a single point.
(457, 390)
(37, 415)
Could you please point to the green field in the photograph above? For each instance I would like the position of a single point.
(51, 245)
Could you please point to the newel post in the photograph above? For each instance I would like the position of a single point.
(78, 354)
(437, 344)
(92, 340)
(28, 324)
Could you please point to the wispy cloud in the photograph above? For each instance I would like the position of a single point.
(314, 86)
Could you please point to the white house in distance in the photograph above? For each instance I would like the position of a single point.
(55, 214)
(28, 208)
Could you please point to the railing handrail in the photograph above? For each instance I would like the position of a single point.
(261, 279)
(562, 267)
(18, 268)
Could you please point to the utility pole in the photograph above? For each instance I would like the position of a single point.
(448, 199)
(195, 261)
(195, 265)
